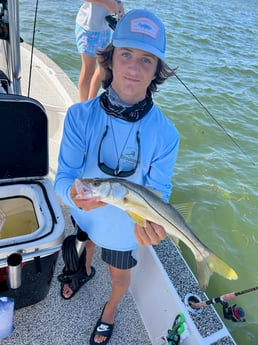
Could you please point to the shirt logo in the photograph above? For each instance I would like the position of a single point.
(144, 26)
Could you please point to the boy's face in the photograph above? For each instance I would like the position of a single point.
(133, 71)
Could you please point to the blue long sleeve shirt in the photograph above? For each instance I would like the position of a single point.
(86, 127)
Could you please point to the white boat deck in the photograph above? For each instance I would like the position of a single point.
(54, 321)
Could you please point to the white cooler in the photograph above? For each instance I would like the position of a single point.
(31, 220)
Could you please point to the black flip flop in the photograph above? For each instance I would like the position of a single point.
(102, 328)
(80, 282)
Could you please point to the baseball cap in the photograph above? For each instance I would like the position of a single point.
(141, 29)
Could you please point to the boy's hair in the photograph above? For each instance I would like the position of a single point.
(105, 57)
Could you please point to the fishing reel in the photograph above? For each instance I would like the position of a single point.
(233, 313)
(112, 20)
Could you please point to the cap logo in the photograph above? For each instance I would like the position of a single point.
(144, 26)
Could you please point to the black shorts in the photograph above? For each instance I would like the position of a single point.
(119, 259)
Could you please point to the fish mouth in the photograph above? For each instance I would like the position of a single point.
(82, 191)
(86, 194)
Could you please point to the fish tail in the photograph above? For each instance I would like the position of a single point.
(212, 263)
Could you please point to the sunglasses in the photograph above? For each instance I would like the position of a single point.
(117, 172)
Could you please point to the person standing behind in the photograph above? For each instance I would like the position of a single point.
(93, 33)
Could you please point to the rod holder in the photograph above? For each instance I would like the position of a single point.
(14, 270)
(191, 299)
(80, 240)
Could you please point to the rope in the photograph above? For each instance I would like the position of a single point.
(74, 272)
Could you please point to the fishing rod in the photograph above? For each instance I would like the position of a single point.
(32, 45)
(220, 299)
(214, 119)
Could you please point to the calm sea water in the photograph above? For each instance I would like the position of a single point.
(214, 44)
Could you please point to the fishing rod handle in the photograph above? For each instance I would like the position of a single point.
(206, 303)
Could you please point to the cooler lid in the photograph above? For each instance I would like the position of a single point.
(23, 137)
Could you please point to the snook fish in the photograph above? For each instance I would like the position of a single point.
(142, 204)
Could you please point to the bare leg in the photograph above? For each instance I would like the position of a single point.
(96, 81)
(90, 247)
(87, 71)
(120, 284)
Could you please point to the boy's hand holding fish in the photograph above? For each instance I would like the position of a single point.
(150, 234)
(85, 203)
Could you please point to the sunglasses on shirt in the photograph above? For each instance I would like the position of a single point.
(117, 172)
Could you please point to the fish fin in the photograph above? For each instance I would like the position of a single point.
(185, 209)
(213, 263)
(137, 219)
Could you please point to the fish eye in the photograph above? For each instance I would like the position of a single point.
(96, 183)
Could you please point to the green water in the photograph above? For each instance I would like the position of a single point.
(214, 44)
